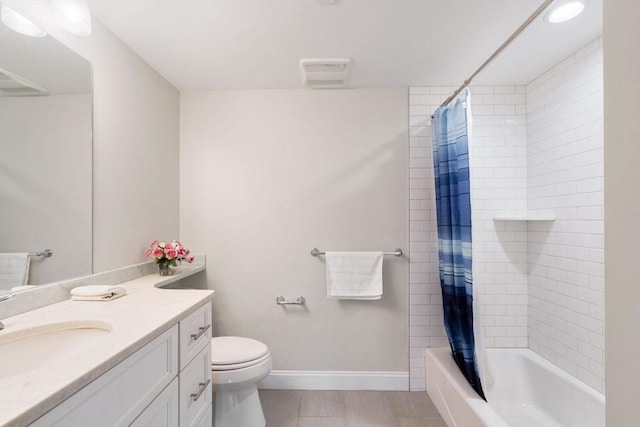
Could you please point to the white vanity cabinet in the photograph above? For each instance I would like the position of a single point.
(167, 382)
(163, 411)
(195, 367)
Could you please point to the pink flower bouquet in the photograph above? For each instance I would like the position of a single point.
(168, 254)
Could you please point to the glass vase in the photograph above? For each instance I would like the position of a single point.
(165, 270)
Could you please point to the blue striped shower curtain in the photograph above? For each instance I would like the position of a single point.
(453, 204)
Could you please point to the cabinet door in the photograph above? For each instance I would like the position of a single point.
(206, 420)
(196, 389)
(163, 411)
(118, 396)
(195, 334)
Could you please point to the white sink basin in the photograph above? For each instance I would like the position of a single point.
(27, 349)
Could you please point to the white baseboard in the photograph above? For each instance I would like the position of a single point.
(336, 380)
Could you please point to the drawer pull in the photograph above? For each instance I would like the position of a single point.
(203, 387)
(202, 330)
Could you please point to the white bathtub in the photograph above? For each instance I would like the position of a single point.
(529, 391)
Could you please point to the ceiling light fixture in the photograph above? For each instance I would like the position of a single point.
(72, 16)
(565, 11)
(19, 23)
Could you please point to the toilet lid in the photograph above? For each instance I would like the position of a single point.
(233, 350)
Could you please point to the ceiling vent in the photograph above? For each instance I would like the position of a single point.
(12, 85)
(325, 73)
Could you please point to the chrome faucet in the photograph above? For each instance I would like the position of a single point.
(4, 298)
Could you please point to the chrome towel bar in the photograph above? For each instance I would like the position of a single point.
(47, 253)
(397, 252)
(282, 301)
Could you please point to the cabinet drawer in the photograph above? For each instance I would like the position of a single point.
(163, 411)
(120, 394)
(195, 334)
(195, 389)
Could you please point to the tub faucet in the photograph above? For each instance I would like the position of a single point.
(4, 298)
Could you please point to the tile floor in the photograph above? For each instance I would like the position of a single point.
(296, 408)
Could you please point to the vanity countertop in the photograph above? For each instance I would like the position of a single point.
(137, 318)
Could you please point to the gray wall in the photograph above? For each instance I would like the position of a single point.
(266, 176)
(622, 210)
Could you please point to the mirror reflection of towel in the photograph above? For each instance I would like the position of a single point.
(14, 269)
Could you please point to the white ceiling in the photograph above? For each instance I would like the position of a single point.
(256, 44)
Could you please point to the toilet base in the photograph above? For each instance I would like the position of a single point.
(236, 408)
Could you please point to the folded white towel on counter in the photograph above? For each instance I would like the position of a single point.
(354, 275)
(97, 293)
(14, 269)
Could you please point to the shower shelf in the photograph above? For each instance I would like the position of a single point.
(528, 217)
(524, 215)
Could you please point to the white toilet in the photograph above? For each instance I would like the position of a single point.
(237, 365)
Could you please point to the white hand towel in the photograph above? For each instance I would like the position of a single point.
(14, 269)
(97, 293)
(354, 275)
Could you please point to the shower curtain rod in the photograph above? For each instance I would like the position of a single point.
(502, 47)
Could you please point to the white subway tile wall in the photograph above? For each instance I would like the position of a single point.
(565, 175)
(498, 178)
(425, 298)
(499, 187)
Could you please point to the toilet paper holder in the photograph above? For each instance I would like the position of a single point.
(282, 301)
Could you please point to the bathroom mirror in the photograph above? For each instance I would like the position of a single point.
(45, 161)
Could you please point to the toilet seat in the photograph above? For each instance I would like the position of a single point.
(240, 365)
(229, 353)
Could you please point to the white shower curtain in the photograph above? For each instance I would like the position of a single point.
(484, 370)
